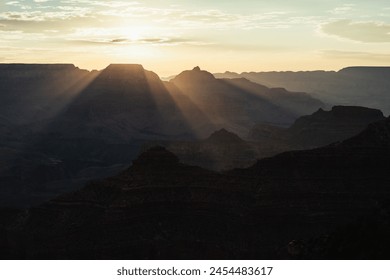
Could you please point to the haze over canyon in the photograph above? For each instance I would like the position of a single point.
(121, 164)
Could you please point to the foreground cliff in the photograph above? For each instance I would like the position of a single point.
(301, 204)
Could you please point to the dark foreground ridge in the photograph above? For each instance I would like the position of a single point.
(330, 202)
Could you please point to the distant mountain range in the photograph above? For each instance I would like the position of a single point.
(354, 86)
(229, 168)
(238, 104)
(331, 202)
(318, 129)
(62, 126)
(224, 150)
(35, 92)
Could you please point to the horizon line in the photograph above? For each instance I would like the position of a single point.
(218, 72)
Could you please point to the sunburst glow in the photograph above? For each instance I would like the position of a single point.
(219, 35)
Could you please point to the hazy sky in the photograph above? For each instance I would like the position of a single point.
(171, 35)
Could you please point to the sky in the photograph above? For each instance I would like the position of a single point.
(223, 35)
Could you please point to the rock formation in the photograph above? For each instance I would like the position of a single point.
(282, 207)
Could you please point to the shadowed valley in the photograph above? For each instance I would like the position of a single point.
(118, 164)
(83, 125)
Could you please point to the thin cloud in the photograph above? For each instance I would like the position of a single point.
(146, 41)
(342, 10)
(114, 10)
(369, 56)
(119, 40)
(110, 4)
(69, 18)
(13, 3)
(367, 32)
(217, 19)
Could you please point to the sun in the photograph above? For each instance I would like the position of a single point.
(133, 34)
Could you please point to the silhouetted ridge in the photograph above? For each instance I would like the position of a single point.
(194, 75)
(358, 164)
(224, 137)
(157, 157)
(222, 150)
(160, 208)
(123, 102)
(35, 92)
(158, 167)
(366, 70)
(356, 112)
(39, 67)
(341, 115)
(118, 70)
(125, 66)
(363, 86)
(91, 125)
(238, 104)
(319, 129)
(375, 135)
